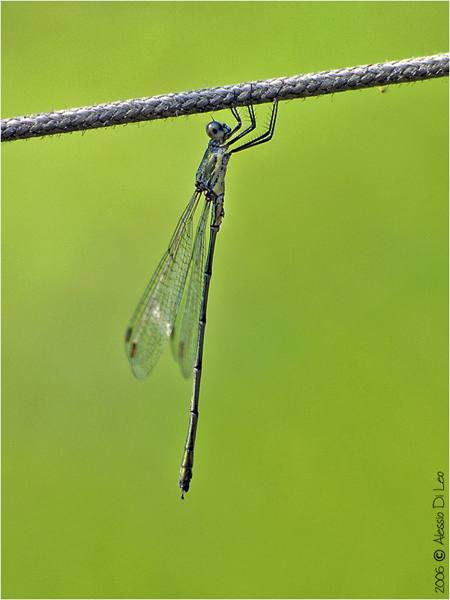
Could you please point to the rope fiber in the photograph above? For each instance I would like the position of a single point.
(223, 97)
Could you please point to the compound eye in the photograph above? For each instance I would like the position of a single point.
(216, 130)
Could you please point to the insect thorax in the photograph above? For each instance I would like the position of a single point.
(211, 172)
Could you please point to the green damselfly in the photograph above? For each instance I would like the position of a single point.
(171, 309)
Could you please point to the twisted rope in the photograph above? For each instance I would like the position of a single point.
(217, 98)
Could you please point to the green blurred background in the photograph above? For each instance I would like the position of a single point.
(323, 413)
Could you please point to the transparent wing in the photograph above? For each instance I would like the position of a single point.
(185, 334)
(154, 318)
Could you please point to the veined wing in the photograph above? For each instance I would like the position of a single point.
(154, 318)
(185, 334)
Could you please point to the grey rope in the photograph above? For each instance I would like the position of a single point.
(217, 98)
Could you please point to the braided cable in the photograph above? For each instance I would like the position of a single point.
(222, 97)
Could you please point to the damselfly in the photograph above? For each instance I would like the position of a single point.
(171, 309)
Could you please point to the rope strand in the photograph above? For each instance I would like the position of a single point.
(217, 98)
